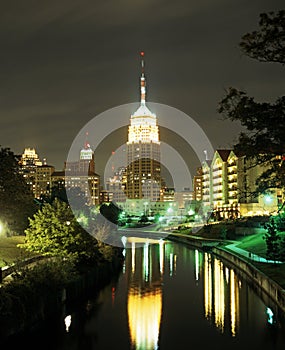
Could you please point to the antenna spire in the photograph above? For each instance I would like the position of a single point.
(143, 82)
(86, 143)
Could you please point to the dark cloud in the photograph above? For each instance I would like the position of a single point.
(63, 62)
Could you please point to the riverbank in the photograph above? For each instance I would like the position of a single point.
(260, 273)
(40, 294)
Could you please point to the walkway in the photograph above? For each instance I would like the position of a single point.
(232, 246)
(250, 255)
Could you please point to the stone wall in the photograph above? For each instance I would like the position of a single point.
(266, 287)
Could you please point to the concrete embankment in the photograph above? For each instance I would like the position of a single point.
(267, 289)
(194, 242)
(262, 284)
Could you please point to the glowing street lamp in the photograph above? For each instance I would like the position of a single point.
(268, 199)
(169, 210)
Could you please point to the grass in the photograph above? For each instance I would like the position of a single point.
(254, 244)
(9, 252)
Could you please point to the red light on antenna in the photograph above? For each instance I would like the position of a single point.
(142, 53)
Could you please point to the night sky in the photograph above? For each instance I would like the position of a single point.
(64, 62)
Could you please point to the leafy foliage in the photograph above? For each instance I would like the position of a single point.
(272, 239)
(31, 293)
(111, 212)
(267, 44)
(263, 139)
(54, 231)
(16, 198)
(102, 231)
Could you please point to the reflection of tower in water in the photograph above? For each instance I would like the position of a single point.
(145, 294)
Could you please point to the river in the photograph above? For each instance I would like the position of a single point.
(167, 296)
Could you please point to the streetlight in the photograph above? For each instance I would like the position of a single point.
(268, 199)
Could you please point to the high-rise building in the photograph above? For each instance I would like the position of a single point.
(229, 187)
(81, 174)
(29, 162)
(114, 186)
(142, 178)
(197, 185)
(43, 182)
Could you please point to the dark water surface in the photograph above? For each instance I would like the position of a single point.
(167, 296)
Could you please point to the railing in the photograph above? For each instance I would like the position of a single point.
(8, 270)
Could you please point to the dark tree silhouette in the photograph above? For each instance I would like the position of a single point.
(16, 199)
(263, 141)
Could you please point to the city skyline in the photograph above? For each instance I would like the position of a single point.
(62, 65)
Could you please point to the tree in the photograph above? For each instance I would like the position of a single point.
(282, 249)
(16, 198)
(267, 44)
(54, 231)
(272, 239)
(111, 212)
(263, 141)
(107, 245)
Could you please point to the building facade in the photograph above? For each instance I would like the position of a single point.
(29, 162)
(142, 179)
(81, 175)
(228, 187)
(43, 180)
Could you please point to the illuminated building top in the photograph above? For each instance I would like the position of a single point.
(143, 124)
(30, 157)
(86, 153)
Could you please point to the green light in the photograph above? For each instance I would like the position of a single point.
(268, 199)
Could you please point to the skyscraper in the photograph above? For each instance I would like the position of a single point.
(28, 164)
(142, 178)
(81, 175)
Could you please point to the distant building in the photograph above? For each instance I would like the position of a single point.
(114, 186)
(228, 185)
(81, 174)
(29, 162)
(142, 178)
(250, 203)
(207, 192)
(184, 197)
(43, 180)
(197, 185)
(168, 194)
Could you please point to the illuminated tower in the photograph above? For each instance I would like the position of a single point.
(142, 177)
(81, 174)
(28, 164)
(86, 153)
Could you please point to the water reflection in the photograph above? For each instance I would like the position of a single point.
(144, 303)
(167, 296)
(221, 294)
(145, 290)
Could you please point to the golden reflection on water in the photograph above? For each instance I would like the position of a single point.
(144, 314)
(221, 294)
(145, 293)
